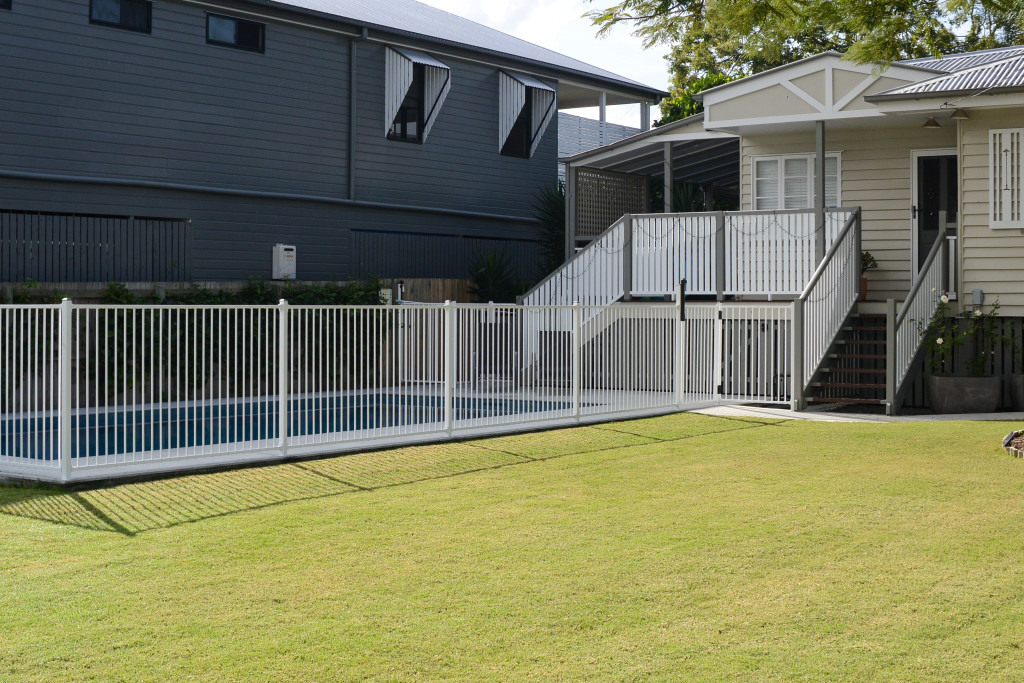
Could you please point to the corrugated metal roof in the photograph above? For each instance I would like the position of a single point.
(965, 60)
(415, 18)
(1001, 75)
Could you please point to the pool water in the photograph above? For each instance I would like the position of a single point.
(188, 426)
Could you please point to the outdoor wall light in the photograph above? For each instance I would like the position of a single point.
(931, 123)
(959, 115)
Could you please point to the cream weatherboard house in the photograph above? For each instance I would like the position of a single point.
(922, 160)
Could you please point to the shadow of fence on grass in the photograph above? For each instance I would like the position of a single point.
(136, 507)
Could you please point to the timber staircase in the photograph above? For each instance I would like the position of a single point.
(854, 371)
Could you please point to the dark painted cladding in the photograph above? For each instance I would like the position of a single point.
(94, 101)
(232, 237)
(459, 166)
(394, 255)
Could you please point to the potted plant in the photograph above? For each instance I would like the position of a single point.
(867, 262)
(979, 334)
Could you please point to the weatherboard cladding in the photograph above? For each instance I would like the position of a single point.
(415, 18)
(458, 167)
(167, 107)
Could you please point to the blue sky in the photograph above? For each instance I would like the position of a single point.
(559, 25)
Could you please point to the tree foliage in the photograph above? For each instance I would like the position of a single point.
(734, 38)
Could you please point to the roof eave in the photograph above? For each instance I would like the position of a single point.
(964, 92)
(652, 133)
(627, 86)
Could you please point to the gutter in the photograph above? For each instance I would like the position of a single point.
(255, 194)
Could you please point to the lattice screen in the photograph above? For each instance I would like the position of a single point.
(603, 196)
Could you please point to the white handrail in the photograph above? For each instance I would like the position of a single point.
(914, 314)
(592, 277)
(826, 303)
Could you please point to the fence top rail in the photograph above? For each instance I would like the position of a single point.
(28, 307)
(918, 282)
(820, 270)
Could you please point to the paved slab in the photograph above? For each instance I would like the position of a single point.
(833, 416)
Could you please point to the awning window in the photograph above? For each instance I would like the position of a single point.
(526, 107)
(416, 87)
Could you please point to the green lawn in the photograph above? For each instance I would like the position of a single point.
(683, 547)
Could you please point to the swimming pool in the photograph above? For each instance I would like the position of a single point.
(202, 426)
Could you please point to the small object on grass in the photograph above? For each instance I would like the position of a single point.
(1014, 444)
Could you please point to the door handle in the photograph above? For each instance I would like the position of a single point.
(913, 211)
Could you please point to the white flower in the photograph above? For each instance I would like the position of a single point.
(939, 341)
(977, 312)
(944, 299)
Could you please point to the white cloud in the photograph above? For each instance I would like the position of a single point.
(559, 25)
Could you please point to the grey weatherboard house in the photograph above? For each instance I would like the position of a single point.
(179, 139)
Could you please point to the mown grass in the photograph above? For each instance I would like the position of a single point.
(675, 548)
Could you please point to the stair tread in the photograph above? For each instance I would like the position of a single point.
(850, 385)
(832, 399)
(863, 342)
(878, 356)
(862, 371)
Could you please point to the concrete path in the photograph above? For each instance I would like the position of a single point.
(833, 416)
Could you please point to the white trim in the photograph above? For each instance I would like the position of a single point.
(791, 118)
(804, 67)
(781, 158)
(916, 154)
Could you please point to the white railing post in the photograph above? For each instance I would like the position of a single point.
(680, 330)
(627, 256)
(283, 360)
(64, 396)
(891, 341)
(720, 255)
(449, 367)
(797, 390)
(577, 353)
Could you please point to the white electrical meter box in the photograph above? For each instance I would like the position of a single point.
(284, 262)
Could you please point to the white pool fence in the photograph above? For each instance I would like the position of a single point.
(93, 392)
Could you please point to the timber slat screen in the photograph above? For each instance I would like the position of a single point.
(603, 197)
(49, 247)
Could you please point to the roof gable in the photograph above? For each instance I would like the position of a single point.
(417, 19)
(821, 87)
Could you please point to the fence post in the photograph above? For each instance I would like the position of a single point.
(577, 360)
(719, 349)
(890, 356)
(797, 390)
(627, 257)
(64, 397)
(449, 367)
(720, 255)
(283, 359)
(680, 329)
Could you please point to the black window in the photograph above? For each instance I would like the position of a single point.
(408, 123)
(132, 15)
(232, 32)
(520, 139)
(5, 4)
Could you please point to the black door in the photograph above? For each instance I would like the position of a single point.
(936, 192)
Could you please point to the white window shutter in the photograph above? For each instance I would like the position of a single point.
(543, 103)
(398, 75)
(1005, 170)
(766, 184)
(511, 100)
